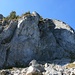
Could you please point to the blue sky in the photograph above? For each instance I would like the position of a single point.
(56, 9)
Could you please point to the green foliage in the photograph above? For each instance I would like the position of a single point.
(6, 18)
(12, 15)
(26, 14)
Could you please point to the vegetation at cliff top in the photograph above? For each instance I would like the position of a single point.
(14, 16)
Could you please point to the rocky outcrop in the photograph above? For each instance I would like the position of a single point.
(1, 16)
(35, 38)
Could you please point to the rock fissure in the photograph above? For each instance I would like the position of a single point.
(6, 58)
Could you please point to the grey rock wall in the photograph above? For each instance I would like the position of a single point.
(32, 38)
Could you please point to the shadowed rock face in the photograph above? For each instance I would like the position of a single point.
(1, 16)
(30, 38)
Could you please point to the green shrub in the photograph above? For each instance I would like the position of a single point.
(26, 14)
(12, 15)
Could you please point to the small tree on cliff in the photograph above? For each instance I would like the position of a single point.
(12, 15)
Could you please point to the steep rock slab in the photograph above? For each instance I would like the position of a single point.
(50, 49)
(5, 38)
(25, 42)
(65, 37)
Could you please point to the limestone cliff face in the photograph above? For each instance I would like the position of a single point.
(32, 38)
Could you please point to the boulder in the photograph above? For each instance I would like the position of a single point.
(35, 64)
(35, 68)
(33, 71)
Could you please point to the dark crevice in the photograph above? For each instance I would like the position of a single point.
(6, 40)
(6, 58)
(58, 41)
(45, 26)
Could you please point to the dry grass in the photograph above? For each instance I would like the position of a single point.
(71, 65)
